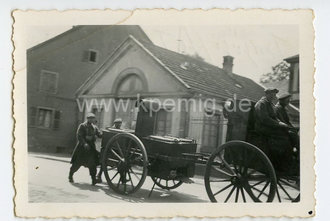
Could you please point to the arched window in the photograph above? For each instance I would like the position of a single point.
(128, 86)
(131, 84)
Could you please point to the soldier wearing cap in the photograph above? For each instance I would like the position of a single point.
(266, 120)
(117, 123)
(274, 130)
(282, 114)
(280, 108)
(85, 153)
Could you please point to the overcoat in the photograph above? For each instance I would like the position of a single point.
(277, 140)
(266, 121)
(88, 157)
(282, 114)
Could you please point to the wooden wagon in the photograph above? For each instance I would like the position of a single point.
(237, 171)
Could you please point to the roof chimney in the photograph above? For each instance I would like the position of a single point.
(228, 64)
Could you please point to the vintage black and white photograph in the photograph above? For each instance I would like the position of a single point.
(177, 113)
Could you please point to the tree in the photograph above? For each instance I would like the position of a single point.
(279, 72)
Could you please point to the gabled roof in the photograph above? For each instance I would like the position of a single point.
(196, 75)
(88, 30)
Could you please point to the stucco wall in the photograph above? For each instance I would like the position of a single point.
(65, 55)
(158, 79)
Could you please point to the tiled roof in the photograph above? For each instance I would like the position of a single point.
(84, 31)
(205, 78)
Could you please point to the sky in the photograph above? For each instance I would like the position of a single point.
(255, 48)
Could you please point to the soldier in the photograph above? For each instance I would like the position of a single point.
(116, 125)
(277, 142)
(281, 112)
(266, 121)
(85, 153)
(280, 108)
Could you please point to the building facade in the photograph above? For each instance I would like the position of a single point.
(55, 70)
(294, 79)
(139, 69)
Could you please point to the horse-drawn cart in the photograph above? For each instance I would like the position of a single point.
(237, 171)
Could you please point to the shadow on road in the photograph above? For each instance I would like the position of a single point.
(157, 196)
(86, 186)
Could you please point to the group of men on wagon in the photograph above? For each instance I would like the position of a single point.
(271, 121)
(271, 118)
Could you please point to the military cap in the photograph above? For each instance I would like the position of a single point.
(283, 96)
(90, 115)
(118, 120)
(270, 90)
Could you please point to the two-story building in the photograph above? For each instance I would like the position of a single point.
(55, 70)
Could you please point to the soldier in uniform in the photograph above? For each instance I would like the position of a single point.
(116, 125)
(266, 120)
(280, 108)
(282, 115)
(272, 130)
(85, 153)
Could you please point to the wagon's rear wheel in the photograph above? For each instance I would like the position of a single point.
(166, 184)
(124, 163)
(239, 172)
(288, 189)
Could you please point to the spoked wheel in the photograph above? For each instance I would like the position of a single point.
(288, 189)
(124, 163)
(239, 172)
(166, 184)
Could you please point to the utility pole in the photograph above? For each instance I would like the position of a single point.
(179, 41)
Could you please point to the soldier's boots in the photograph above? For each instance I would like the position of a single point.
(71, 179)
(94, 181)
(98, 179)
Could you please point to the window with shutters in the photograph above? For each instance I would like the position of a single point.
(56, 120)
(163, 123)
(90, 55)
(44, 117)
(48, 82)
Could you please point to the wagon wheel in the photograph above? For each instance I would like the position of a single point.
(124, 163)
(288, 189)
(239, 172)
(167, 184)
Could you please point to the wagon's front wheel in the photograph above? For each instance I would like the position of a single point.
(124, 163)
(239, 172)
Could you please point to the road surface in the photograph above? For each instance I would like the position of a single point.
(48, 182)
